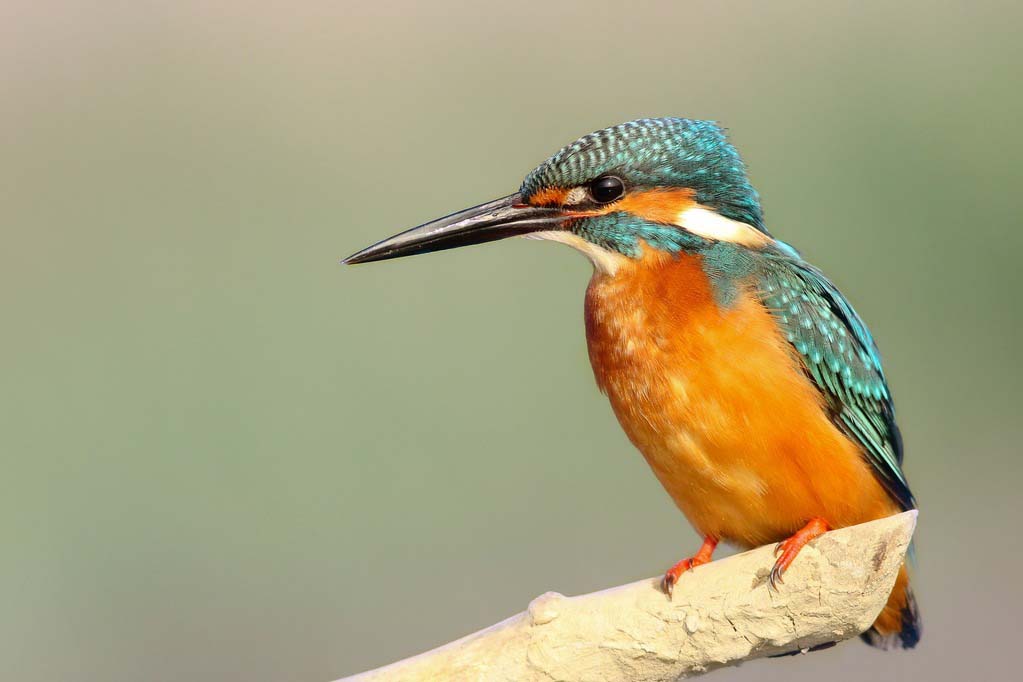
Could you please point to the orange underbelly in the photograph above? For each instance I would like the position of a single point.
(716, 401)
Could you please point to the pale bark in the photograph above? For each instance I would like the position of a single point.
(722, 613)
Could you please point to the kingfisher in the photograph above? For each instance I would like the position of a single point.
(748, 382)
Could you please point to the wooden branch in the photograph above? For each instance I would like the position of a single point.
(722, 613)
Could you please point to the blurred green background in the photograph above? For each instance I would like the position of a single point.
(225, 457)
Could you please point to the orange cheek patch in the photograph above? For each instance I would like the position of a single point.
(657, 205)
(548, 196)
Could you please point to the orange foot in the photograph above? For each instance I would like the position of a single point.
(790, 548)
(675, 572)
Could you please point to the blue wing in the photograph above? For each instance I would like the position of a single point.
(841, 358)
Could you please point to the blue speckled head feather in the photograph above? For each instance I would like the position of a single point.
(658, 152)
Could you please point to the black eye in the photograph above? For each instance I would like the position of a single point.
(606, 189)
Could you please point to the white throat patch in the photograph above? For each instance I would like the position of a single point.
(604, 261)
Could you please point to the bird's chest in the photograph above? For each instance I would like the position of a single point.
(697, 387)
(662, 364)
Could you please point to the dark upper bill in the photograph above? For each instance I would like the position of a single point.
(505, 217)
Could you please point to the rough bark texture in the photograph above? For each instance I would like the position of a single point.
(722, 613)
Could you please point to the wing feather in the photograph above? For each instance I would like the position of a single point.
(841, 358)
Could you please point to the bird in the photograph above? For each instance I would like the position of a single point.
(740, 372)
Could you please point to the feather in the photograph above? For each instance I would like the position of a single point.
(840, 356)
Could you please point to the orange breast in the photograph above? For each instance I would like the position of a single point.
(717, 402)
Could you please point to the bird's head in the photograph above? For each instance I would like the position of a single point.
(671, 184)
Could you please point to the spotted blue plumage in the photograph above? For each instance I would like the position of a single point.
(658, 152)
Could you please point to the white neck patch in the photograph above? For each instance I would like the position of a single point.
(710, 224)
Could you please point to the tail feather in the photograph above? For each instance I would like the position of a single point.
(898, 624)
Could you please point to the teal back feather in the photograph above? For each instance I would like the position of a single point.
(841, 358)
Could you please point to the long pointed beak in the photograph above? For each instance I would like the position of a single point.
(505, 217)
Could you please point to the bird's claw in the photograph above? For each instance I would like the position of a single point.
(703, 556)
(672, 575)
(788, 549)
(780, 565)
